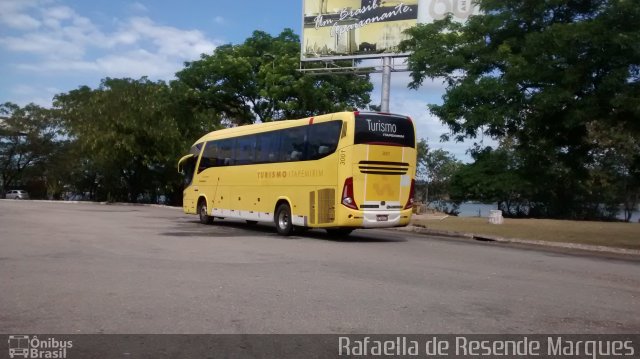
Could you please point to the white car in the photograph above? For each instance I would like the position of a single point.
(17, 194)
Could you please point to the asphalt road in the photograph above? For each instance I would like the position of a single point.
(88, 268)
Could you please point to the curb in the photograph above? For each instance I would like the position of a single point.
(491, 238)
(102, 203)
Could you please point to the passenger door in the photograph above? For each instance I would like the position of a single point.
(189, 194)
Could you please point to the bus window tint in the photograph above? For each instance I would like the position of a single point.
(187, 170)
(293, 144)
(195, 149)
(245, 150)
(267, 147)
(225, 152)
(373, 128)
(323, 139)
(208, 156)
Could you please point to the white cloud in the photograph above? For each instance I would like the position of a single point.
(69, 42)
(42, 44)
(12, 15)
(23, 89)
(40, 95)
(135, 64)
(59, 12)
(20, 22)
(427, 126)
(54, 66)
(138, 7)
(170, 40)
(400, 80)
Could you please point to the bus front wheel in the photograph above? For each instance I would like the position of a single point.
(283, 220)
(205, 218)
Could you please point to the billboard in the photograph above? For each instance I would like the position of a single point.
(367, 28)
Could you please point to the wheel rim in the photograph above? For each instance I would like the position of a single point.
(283, 220)
(203, 211)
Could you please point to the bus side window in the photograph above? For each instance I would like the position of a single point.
(225, 152)
(293, 146)
(267, 147)
(208, 156)
(323, 139)
(245, 150)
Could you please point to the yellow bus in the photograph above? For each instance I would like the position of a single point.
(337, 171)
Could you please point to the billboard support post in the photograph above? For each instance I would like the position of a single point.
(386, 83)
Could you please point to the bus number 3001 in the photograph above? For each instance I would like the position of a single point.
(343, 156)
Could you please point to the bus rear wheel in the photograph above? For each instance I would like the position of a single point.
(283, 220)
(205, 218)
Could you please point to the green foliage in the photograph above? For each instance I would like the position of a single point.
(27, 140)
(435, 171)
(259, 80)
(422, 149)
(539, 73)
(494, 177)
(616, 166)
(126, 134)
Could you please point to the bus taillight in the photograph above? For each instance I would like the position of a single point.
(412, 193)
(347, 194)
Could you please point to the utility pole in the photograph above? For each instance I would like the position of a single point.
(386, 83)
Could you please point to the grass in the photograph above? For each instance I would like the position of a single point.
(612, 234)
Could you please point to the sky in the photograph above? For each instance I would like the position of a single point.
(54, 46)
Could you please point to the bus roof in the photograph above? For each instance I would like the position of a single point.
(263, 127)
(275, 125)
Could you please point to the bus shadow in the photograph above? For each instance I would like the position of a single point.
(358, 236)
(229, 229)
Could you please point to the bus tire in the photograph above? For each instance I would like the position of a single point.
(283, 220)
(339, 232)
(205, 218)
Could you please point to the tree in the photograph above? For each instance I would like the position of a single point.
(27, 139)
(538, 72)
(495, 176)
(259, 80)
(616, 167)
(127, 136)
(422, 148)
(435, 169)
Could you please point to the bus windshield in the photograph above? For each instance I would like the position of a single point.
(186, 166)
(381, 129)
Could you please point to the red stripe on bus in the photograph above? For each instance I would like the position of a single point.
(383, 144)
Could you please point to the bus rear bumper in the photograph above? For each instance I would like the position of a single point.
(378, 219)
